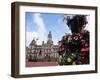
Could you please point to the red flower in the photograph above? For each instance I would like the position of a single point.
(84, 49)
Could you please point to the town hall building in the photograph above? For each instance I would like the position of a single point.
(45, 52)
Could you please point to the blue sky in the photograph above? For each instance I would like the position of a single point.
(38, 26)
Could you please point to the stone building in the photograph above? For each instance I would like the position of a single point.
(45, 52)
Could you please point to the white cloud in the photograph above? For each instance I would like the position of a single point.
(55, 41)
(39, 21)
(30, 36)
(88, 24)
(40, 34)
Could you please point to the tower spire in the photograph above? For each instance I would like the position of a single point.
(49, 41)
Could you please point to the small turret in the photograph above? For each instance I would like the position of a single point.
(42, 42)
(33, 42)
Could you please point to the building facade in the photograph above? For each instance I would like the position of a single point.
(45, 52)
